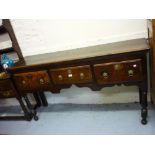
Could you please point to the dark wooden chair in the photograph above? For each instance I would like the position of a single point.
(7, 87)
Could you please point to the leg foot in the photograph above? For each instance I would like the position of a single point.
(144, 121)
(144, 116)
(36, 118)
(29, 117)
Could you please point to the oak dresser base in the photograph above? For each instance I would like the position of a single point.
(94, 67)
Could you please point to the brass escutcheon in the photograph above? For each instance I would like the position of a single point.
(23, 82)
(81, 75)
(117, 66)
(60, 77)
(69, 71)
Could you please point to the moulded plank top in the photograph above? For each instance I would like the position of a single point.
(88, 52)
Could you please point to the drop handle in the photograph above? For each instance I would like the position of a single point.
(41, 81)
(105, 75)
(130, 73)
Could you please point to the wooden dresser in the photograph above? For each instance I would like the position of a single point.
(94, 67)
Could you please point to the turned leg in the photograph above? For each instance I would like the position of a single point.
(27, 114)
(38, 99)
(143, 100)
(29, 105)
(140, 96)
(43, 98)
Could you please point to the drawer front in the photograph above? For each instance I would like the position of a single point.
(117, 72)
(133, 71)
(7, 89)
(32, 81)
(71, 75)
(6, 85)
(7, 94)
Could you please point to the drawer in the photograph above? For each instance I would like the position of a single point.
(7, 89)
(117, 72)
(133, 70)
(71, 75)
(32, 81)
(7, 94)
(6, 85)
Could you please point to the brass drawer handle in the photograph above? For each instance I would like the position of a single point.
(41, 81)
(82, 75)
(60, 77)
(24, 82)
(130, 72)
(70, 75)
(6, 93)
(105, 75)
